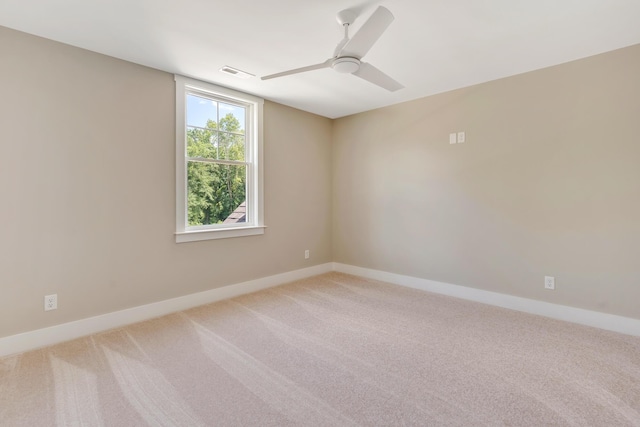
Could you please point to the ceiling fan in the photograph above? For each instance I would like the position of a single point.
(347, 57)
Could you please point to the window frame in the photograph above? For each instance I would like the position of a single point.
(254, 224)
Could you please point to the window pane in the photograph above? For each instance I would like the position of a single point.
(211, 144)
(201, 112)
(231, 146)
(232, 118)
(215, 193)
(202, 143)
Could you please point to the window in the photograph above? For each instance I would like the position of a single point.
(218, 162)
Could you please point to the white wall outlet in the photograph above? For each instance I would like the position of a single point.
(50, 302)
(549, 282)
(306, 254)
(461, 137)
(452, 138)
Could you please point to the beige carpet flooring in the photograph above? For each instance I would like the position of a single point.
(333, 350)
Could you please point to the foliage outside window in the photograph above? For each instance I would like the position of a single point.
(218, 183)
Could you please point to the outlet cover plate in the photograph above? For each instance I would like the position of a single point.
(549, 282)
(50, 302)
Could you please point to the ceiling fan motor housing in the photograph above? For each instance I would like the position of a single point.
(346, 64)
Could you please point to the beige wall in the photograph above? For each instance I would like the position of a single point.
(548, 183)
(87, 181)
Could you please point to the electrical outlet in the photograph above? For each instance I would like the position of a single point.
(549, 282)
(306, 254)
(461, 137)
(50, 302)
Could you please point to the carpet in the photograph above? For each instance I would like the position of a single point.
(331, 350)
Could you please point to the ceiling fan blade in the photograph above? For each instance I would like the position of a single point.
(368, 34)
(371, 74)
(325, 64)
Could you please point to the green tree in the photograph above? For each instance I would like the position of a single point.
(215, 190)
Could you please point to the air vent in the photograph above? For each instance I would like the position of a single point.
(235, 72)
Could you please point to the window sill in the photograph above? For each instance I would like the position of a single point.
(220, 233)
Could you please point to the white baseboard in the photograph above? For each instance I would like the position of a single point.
(610, 322)
(79, 328)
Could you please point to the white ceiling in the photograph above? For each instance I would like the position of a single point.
(432, 46)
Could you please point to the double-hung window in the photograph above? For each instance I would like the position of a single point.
(218, 162)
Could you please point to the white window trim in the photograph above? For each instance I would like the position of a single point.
(255, 202)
